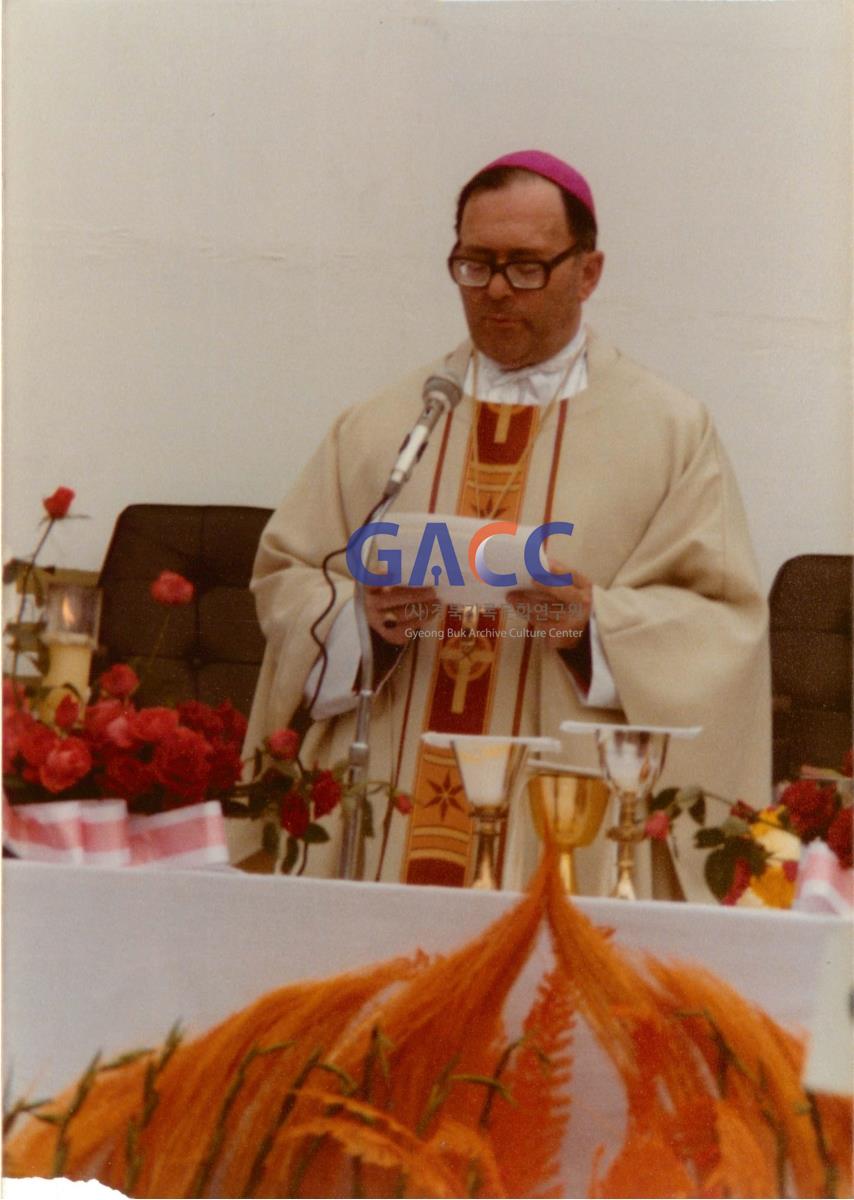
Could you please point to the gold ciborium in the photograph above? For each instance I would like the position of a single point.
(567, 804)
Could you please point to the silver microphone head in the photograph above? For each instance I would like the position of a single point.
(445, 388)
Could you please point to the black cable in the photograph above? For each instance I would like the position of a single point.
(324, 566)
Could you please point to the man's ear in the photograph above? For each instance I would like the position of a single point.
(591, 272)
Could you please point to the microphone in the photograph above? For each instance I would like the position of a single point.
(440, 394)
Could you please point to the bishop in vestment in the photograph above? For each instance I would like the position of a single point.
(664, 624)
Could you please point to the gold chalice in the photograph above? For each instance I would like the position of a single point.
(567, 804)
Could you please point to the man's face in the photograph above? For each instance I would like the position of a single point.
(525, 219)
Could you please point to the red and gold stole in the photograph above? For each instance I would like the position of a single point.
(465, 671)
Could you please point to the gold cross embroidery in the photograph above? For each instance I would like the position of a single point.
(464, 660)
(504, 415)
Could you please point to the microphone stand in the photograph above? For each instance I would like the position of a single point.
(351, 860)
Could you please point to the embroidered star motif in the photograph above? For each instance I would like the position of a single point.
(447, 794)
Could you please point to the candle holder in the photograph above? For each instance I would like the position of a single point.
(72, 621)
(567, 805)
(490, 769)
(632, 758)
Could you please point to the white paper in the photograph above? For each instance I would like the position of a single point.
(504, 554)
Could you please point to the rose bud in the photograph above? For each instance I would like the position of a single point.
(283, 744)
(120, 681)
(67, 712)
(57, 505)
(325, 792)
(171, 588)
(657, 825)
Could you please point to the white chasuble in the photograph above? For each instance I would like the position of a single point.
(636, 467)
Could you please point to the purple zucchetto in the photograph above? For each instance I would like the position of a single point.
(559, 172)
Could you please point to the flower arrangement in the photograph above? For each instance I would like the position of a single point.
(159, 758)
(754, 854)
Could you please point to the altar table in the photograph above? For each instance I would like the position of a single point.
(108, 959)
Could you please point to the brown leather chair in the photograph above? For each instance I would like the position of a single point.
(212, 648)
(810, 603)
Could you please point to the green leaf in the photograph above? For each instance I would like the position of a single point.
(315, 834)
(718, 871)
(756, 855)
(735, 827)
(11, 570)
(697, 811)
(687, 797)
(704, 838)
(233, 808)
(368, 818)
(664, 799)
(24, 636)
(270, 839)
(291, 855)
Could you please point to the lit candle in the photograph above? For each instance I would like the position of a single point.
(72, 617)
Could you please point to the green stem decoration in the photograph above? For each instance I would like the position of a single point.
(212, 1153)
(285, 1111)
(28, 570)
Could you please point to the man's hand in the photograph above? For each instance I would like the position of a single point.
(562, 612)
(394, 613)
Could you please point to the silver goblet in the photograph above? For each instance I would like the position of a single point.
(632, 759)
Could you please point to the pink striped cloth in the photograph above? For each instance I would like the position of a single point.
(185, 837)
(823, 886)
(101, 833)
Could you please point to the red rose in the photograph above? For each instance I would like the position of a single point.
(126, 777)
(202, 718)
(154, 724)
(98, 716)
(403, 803)
(36, 742)
(171, 588)
(283, 744)
(744, 812)
(66, 713)
(657, 825)
(14, 696)
(293, 814)
(325, 793)
(811, 808)
(120, 681)
(234, 724)
(226, 767)
(181, 763)
(741, 877)
(119, 732)
(839, 836)
(15, 724)
(66, 764)
(57, 505)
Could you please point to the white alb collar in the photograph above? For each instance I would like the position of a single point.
(534, 384)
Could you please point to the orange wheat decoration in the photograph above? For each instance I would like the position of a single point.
(401, 1081)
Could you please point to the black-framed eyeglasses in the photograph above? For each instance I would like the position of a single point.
(523, 275)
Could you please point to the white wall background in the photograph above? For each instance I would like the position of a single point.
(226, 219)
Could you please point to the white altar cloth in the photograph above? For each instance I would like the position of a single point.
(108, 959)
